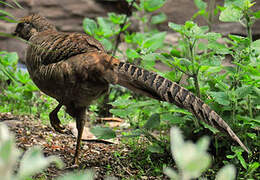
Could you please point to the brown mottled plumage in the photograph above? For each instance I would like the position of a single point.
(74, 69)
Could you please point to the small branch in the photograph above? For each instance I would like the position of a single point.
(197, 86)
(121, 28)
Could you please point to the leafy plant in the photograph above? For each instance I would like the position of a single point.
(233, 90)
(31, 163)
(193, 159)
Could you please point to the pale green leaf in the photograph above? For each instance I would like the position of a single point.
(154, 42)
(87, 175)
(175, 27)
(152, 5)
(159, 18)
(200, 4)
(171, 173)
(103, 132)
(33, 162)
(132, 54)
(228, 172)
(256, 45)
(107, 44)
(89, 26)
(230, 14)
(244, 91)
(220, 97)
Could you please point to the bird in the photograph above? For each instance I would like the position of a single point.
(75, 69)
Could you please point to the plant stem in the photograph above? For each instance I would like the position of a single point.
(248, 27)
(194, 70)
(211, 14)
(249, 106)
(197, 86)
(234, 108)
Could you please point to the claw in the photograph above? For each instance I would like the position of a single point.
(54, 120)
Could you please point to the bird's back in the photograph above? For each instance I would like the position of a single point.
(66, 66)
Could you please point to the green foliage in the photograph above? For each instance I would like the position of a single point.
(105, 28)
(6, 16)
(31, 163)
(103, 133)
(18, 92)
(193, 159)
(232, 91)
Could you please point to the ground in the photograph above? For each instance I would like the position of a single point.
(99, 156)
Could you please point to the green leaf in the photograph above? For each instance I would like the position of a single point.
(212, 36)
(154, 42)
(123, 113)
(17, 4)
(253, 136)
(203, 144)
(10, 59)
(153, 122)
(253, 167)
(132, 54)
(159, 18)
(231, 14)
(244, 91)
(33, 162)
(7, 4)
(139, 38)
(257, 14)
(153, 5)
(103, 132)
(175, 52)
(5, 13)
(220, 97)
(256, 45)
(107, 44)
(27, 94)
(117, 19)
(4, 18)
(155, 148)
(175, 27)
(106, 27)
(149, 60)
(227, 172)
(218, 47)
(236, 38)
(89, 26)
(87, 175)
(171, 173)
(187, 155)
(200, 4)
(212, 129)
(9, 154)
(238, 152)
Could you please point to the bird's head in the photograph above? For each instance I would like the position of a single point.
(30, 25)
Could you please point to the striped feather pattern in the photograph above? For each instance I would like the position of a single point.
(163, 89)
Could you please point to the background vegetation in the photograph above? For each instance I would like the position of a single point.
(232, 91)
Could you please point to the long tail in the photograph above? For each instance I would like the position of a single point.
(157, 87)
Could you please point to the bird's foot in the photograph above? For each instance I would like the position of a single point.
(56, 124)
(58, 127)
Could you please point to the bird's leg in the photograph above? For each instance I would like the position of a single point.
(54, 120)
(80, 122)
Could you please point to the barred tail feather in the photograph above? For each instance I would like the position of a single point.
(152, 85)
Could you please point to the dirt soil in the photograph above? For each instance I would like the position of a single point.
(98, 156)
